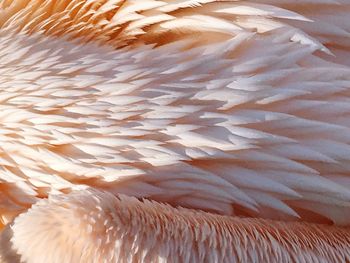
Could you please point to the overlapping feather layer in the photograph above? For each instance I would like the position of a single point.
(236, 107)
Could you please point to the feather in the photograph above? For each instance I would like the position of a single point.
(226, 102)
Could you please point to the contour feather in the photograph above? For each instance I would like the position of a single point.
(124, 96)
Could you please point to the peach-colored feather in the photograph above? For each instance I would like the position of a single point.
(90, 226)
(238, 108)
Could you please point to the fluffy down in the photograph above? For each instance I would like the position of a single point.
(235, 107)
(123, 229)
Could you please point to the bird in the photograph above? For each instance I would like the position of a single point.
(174, 131)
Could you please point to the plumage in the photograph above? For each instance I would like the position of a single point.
(124, 229)
(238, 108)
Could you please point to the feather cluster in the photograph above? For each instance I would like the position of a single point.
(91, 226)
(234, 107)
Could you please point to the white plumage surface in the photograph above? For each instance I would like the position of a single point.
(245, 114)
(234, 107)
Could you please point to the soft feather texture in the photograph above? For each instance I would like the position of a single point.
(234, 107)
(90, 226)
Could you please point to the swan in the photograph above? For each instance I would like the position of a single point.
(167, 131)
